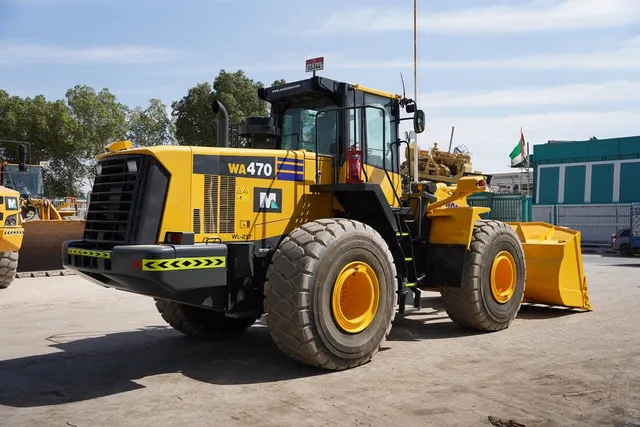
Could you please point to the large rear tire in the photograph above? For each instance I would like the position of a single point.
(493, 280)
(8, 268)
(330, 294)
(200, 322)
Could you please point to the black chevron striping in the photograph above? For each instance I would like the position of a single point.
(163, 264)
(218, 261)
(149, 264)
(209, 262)
(197, 262)
(175, 264)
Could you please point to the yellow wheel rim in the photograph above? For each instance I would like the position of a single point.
(355, 297)
(503, 277)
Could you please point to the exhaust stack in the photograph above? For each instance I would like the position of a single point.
(223, 123)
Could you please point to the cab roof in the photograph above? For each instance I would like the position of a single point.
(316, 84)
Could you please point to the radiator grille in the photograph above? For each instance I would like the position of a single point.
(196, 221)
(227, 204)
(112, 201)
(210, 204)
(219, 204)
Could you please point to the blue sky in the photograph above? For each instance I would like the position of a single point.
(560, 69)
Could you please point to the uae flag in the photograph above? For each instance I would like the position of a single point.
(518, 153)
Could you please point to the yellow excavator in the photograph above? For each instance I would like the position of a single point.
(45, 226)
(307, 223)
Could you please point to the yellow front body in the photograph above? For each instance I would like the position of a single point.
(10, 235)
(248, 194)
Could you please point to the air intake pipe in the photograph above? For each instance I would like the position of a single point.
(223, 123)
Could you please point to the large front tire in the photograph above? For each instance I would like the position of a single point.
(493, 280)
(8, 268)
(199, 322)
(330, 294)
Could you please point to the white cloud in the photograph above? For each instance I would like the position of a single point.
(569, 94)
(623, 57)
(14, 53)
(546, 15)
(491, 139)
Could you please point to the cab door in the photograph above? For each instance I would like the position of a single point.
(376, 127)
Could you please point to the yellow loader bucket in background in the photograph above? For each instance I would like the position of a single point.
(42, 244)
(555, 273)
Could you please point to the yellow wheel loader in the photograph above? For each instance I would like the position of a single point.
(11, 234)
(308, 225)
(45, 227)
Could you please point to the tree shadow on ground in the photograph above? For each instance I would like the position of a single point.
(107, 363)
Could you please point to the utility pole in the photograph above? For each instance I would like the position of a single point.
(416, 150)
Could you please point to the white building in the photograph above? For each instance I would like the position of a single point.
(519, 182)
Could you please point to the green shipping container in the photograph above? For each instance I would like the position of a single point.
(504, 207)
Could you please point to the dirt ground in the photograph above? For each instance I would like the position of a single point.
(75, 354)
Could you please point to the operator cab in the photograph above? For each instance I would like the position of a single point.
(28, 182)
(329, 117)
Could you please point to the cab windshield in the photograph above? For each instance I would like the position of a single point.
(25, 182)
(301, 115)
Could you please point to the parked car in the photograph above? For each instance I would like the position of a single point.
(621, 241)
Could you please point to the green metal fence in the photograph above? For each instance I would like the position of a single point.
(504, 207)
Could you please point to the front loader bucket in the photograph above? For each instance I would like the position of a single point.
(42, 244)
(553, 256)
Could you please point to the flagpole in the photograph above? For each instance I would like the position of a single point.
(416, 150)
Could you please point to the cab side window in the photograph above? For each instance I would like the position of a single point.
(299, 130)
(378, 132)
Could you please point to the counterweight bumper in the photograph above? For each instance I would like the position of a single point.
(193, 274)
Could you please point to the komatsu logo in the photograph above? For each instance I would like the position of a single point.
(267, 200)
(11, 204)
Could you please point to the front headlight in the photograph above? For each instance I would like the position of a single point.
(132, 166)
(11, 221)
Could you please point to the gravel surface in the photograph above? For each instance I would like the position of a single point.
(75, 354)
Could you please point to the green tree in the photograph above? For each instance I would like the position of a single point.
(101, 118)
(150, 126)
(49, 129)
(194, 120)
(193, 117)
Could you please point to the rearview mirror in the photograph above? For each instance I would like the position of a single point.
(418, 121)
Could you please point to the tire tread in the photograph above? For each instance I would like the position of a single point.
(464, 304)
(8, 268)
(200, 322)
(287, 299)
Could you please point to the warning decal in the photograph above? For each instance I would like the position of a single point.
(183, 263)
(95, 254)
(11, 232)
